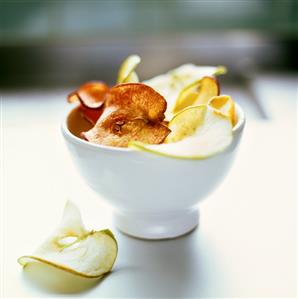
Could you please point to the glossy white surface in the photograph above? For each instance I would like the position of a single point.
(245, 245)
(153, 197)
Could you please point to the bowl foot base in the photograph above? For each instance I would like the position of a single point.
(156, 226)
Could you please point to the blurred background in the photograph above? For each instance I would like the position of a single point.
(47, 44)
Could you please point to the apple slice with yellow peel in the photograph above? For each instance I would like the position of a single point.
(226, 105)
(197, 132)
(189, 73)
(127, 72)
(170, 84)
(73, 249)
(197, 93)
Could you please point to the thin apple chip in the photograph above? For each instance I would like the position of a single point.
(91, 97)
(73, 249)
(133, 112)
(139, 99)
(226, 105)
(91, 94)
(197, 93)
(171, 83)
(119, 130)
(92, 115)
(197, 132)
(127, 70)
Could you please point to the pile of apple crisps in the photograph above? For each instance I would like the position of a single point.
(178, 114)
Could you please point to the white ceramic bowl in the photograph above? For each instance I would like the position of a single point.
(153, 197)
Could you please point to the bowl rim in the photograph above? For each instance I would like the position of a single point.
(67, 134)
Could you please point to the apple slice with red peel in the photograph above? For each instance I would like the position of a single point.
(91, 97)
(76, 250)
(92, 115)
(197, 93)
(127, 72)
(119, 130)
(133, 111)
(197, 132)
(91, 94)
(139, 100)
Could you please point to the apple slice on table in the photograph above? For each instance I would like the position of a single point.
(73, 249)
(226, 105)
(127, 72)
(197, 93)
(197, 132)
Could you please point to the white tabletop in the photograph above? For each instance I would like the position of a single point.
(245, 245)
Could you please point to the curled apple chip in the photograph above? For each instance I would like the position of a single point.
(188, 73)
(73, 249)
(170, 84)
(197, 132)
(91, 97)
(197, 93)
(127, 69)
(91, 94)
(133, 111)
(139, 100)
(226, 105)
(92, 115)
(120, 132)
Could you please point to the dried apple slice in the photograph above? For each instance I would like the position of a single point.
(197, 93)
(133, 111)
(127, 69)
(91, 94)
(73, 249)
(197, 132)
(92, 115)
(183, 76)
(226, 105)
(188, 73)
(120, 132)
(139, 99)
(170, 84)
